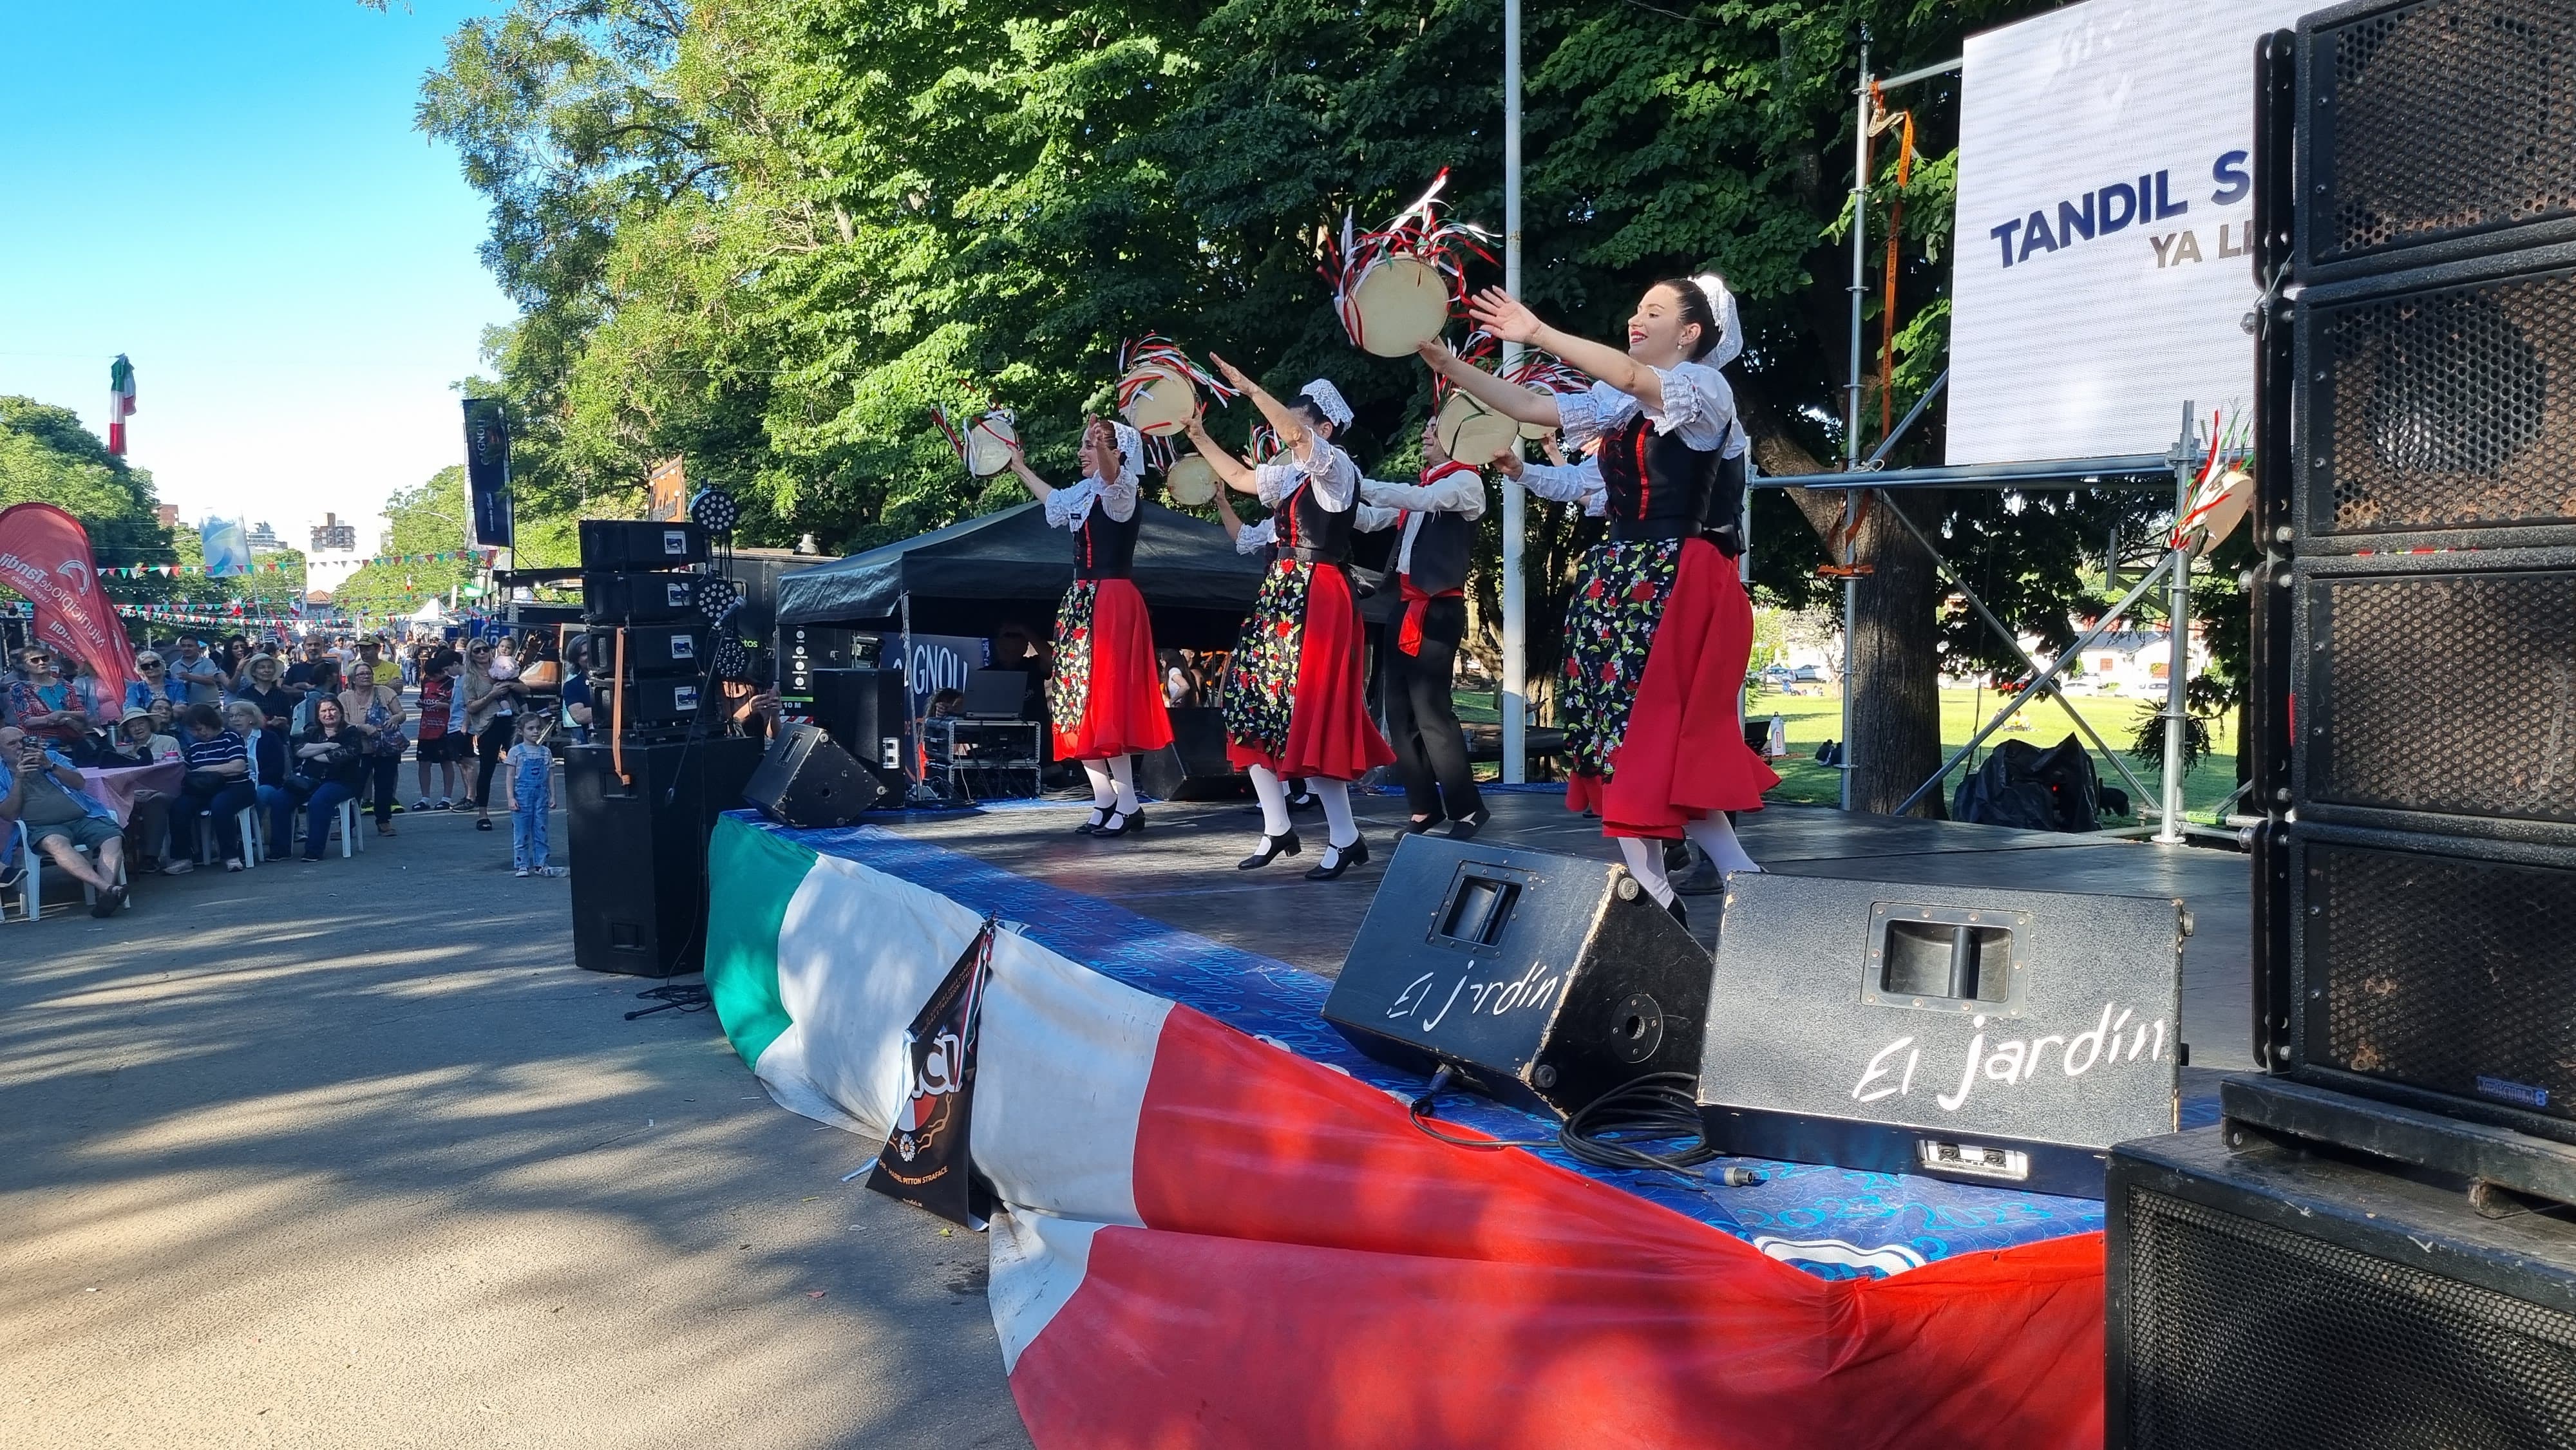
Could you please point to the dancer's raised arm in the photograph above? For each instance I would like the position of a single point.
(1233, 472)
(1521, 405)
(1289, 423)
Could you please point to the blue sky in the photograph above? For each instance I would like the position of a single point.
(233, 196)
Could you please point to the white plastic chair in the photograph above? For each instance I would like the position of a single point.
(26, 878)
(246, 824)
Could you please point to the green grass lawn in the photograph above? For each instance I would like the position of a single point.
(1811, 720)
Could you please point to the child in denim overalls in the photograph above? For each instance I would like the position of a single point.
(527, 785)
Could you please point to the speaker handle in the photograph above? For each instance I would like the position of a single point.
(617, 715)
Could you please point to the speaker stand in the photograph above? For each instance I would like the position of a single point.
(2488, 1156)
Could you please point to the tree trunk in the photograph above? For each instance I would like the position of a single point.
(1893, 660)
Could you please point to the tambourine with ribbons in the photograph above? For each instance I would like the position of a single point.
(1396, 288)
(1158, 386)
(984, 443)
(1473, 433)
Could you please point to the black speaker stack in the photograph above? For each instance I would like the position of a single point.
(643, 797)
(2374, 1247)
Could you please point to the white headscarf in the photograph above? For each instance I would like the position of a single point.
(1328, 398)
(1730, 320)
(1131, 453)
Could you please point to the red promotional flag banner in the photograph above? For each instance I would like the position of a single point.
(44, 555)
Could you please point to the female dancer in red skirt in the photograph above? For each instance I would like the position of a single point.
(1660, 629)
(1296, 691)
(1106, 694)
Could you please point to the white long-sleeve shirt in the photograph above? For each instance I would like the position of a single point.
(1460, 491)
(1067, 508)
(1698, 404)
(1334, 478)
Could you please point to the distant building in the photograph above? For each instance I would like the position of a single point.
(262, 537)
(168, 514)
(332, 536)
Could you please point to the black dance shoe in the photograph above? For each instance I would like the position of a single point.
(1272, 848)
(1128, 824)
(1342, 858)
(1465, 827)
(1419, 825)
(1092, 825)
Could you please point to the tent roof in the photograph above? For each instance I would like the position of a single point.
(1181, 563)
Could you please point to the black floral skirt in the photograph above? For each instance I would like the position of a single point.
(1261, 679)
(1069, 687)
(1619, 596)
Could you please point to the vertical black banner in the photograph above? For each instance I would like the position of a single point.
(925, 1159)
(487, 472)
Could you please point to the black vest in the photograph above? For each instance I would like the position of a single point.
(1441, 548)
(1310, 530)
(1104, 548)
(1658, 485)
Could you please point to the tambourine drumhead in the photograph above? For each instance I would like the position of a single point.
(1470, 434)
(989, 441)
(1191, 481)
(1162, 406)
(1399, 304)
(2221, 521)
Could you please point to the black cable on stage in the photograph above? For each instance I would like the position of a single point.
(1609, 1131)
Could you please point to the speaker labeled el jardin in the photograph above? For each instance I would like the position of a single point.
(1541, 980)
(1971, 1033)
(807, 781)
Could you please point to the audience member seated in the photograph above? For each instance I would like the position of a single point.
(263, 684)
(155, 687)
(267, 753)
(44, 704)
(40, 789)
(138, 741)
(218, 786)
(326, 763)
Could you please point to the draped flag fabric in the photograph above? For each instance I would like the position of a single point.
(120, 403)
(226, 545)
(1206, 1239)
(44, 556)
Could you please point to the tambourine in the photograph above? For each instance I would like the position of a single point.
(990, 442)
(1472, 433)
(1191, 481)
(2220, 518)
(1398, 304)
(1160, 402)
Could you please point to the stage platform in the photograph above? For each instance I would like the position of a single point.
(1180, 871)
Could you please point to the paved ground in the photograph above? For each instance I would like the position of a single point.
(350, 1155)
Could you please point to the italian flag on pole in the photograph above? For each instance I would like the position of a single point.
(120, 403)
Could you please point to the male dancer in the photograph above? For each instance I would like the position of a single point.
(1438, 516)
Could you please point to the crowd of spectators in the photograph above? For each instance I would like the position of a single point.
(287, 732)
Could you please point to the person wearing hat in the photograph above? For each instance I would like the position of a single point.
(1660, 629)
(1438, 516)
(1104, 694)
(1296, 703)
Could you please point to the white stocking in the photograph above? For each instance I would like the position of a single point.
(1646, 862)
(1716, 836)
(1274, 800)
(1339, 829)
(1122, 769)
(1104, 794)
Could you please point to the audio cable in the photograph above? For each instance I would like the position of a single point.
(1611, 1131)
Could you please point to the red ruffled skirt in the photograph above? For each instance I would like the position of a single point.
(1683, 754)
(1107, 698)
(1330, 735)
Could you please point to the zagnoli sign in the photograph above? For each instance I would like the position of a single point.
(2106, 197)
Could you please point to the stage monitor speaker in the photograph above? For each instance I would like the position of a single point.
(1541, 980)
(1974, 1033)
(1194, 766)
(2436, 129)
(613, 545)
(2261, 1296)
(805, 780)
(639, 849)
(638, 598)
(652, 649)
(868, 712)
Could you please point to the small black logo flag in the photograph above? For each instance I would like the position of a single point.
(925, 1159)
(487, 473)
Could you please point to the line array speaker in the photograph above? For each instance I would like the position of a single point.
(609, 545)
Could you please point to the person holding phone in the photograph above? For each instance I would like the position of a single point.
(40, 790)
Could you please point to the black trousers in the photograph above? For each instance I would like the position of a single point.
(1421, 720)
(489, 747)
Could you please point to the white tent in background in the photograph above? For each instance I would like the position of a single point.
(430, 613)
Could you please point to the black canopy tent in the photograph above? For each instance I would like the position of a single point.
(974, 576)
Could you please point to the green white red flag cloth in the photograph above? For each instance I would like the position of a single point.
(120, 403)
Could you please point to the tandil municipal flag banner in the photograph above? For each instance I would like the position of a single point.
(227, 547)
(44, 556)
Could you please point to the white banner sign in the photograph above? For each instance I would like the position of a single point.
(2105, 200)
